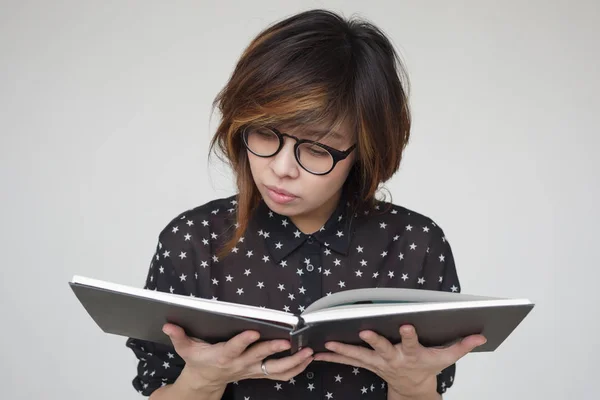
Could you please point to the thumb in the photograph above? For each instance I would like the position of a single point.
(178, 337)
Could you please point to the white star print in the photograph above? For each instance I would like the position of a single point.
(311, 386)
(361, 250)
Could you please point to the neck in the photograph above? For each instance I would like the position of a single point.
(313, 221)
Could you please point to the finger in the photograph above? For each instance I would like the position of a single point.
(462, 348)
(290, 373)
(178, 337)
(381, 345)
(235, 346)
(261, 351)
(339, 359)
(348, 350)
(278, 366)
(410, 341)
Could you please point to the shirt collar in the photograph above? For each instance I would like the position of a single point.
(282, 236)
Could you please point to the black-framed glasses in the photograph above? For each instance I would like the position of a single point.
(316, 158)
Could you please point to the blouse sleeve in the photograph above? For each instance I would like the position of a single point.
(171, 270)
(440, 274)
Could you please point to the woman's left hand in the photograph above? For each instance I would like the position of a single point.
(407, 367)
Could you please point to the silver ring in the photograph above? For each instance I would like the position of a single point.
(263, 367)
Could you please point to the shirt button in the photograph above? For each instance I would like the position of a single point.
(309, 267)
(310, 240)
(310, 375)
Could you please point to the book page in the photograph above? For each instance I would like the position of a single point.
(389, 295)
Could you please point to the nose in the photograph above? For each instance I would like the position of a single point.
(284, 163)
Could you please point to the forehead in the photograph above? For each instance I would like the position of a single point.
(339, 133)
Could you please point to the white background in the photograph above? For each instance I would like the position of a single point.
(105, 120)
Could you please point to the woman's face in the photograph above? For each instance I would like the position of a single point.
(290, 190)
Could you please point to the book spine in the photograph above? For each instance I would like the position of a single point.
(299, 336)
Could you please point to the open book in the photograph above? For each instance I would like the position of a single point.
(439, 318)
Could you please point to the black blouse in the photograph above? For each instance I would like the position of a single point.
(274, 265)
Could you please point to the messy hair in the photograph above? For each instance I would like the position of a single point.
(316, 67)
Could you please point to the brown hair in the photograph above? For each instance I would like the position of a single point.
(315, 67)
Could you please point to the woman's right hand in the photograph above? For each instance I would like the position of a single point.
(218, 364)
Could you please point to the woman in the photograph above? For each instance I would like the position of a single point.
(314, 118)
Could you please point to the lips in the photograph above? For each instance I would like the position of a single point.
(280, 191)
